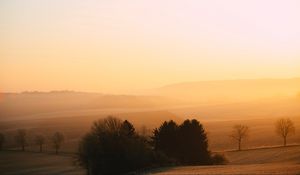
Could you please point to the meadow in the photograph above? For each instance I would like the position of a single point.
(268, 160)
(262, 152)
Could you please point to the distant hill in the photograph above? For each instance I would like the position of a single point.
(265, 108)
(21, 105)
(224, 91)
(76, 126)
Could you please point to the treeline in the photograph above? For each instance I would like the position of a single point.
(21, 140)
(114, 147)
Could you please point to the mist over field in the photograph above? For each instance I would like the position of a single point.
(149, 87)
(73, 112)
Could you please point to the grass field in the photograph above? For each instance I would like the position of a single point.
(253, 169)
(270, 160)
(289, 154)
(259, 158)
(265, 161)
(30, 163)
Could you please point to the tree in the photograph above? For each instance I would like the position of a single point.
(57, 139)
(2, 140)
(193, 143)
(113, 147)
(165, 138)
(127, 129)
(284, 128)
(88, 153)
(186, 143)
(239, 133)
(21, 138)
(40, 141)
(107, 125)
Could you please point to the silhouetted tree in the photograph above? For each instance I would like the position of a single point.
(127, 129)
(113, 147)
(2, 140)
(40, 141)
(109, 124)
(165, 139)
(284, 128)
(21, 138)
(88, 154)
(239, 133)
(186, 143)
(193, 143)
(218, 159)
(57, 139)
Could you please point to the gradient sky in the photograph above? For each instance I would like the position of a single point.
(117, 46)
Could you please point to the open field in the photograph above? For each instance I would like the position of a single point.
(217, 120)
(30, 163)
(276, 160)
(253, 169)
(289, 154)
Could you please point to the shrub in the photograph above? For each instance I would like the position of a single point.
(218, 159)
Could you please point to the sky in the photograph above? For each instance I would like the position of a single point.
(119, 46)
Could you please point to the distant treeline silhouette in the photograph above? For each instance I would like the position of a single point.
(21, 140)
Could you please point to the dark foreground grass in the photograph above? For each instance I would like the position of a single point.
(30, 163)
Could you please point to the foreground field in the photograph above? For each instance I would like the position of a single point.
(29, 163)
(254, 169)
(277, 160)
(290, 154)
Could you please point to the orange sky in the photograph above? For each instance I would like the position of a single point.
(122, 46)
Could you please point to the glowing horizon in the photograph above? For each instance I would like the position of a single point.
(119, 47)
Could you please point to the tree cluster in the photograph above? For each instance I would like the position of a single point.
(21, 140)
(186, 143)
(113, 147)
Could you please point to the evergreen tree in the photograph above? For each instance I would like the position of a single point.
(127, 129)
(186, 143)
(165, 139)
(193, 143)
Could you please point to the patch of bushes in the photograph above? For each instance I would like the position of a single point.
(218, 159)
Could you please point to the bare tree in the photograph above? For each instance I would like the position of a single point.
(21, 138)
(57, 139)
(284, 128)
(239, 133)
(40, 141)
(2, 140)
(109, 124)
